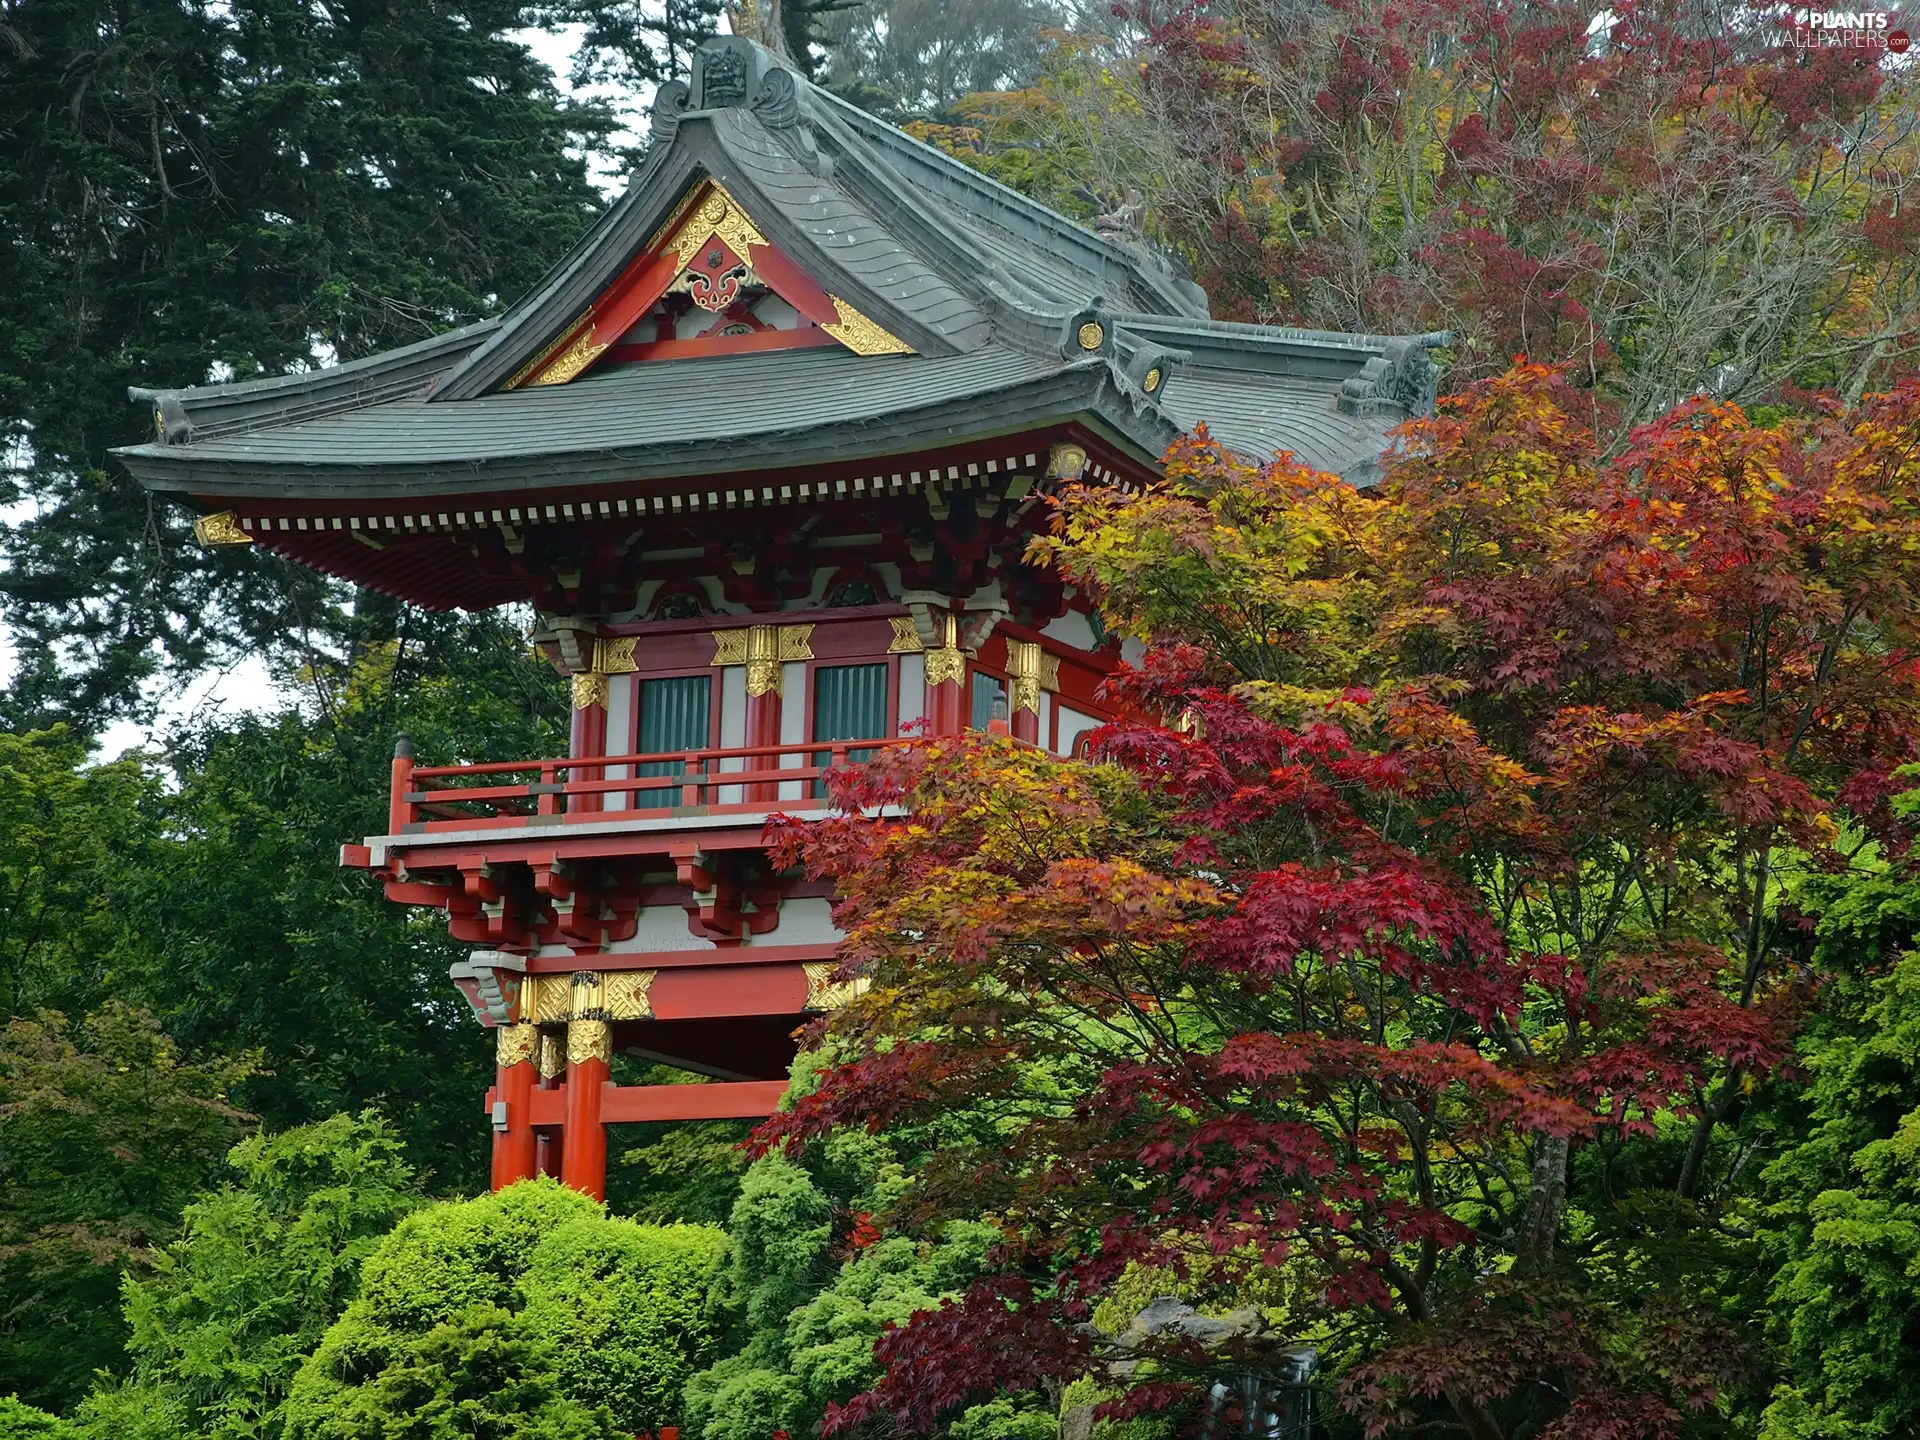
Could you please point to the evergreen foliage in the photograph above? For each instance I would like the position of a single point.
(814, 1286)
(20, 1421)
(191, 190)
(263, 1266)
(1843, 1204)
(527, 1308)
(107, 1131)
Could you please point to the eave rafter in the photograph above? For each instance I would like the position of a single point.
(707, 246)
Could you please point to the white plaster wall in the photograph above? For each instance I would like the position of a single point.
(793, 723)
(802, 922)
(733, 726)
(1071, 629)
(622, 694)
(1074, 724)
(913, 688)
(659, 927)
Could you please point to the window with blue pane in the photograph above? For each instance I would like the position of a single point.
(849, 703)
(989, 699)
(675, 714)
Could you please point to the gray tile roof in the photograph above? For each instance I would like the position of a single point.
(987, 286)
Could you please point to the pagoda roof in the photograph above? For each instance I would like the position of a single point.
(965, 311)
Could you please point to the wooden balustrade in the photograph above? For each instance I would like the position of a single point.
(521, 792)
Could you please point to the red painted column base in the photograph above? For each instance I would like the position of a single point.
(583, 1157)
(514, 1147)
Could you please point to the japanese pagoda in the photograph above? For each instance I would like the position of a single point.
(763, 454)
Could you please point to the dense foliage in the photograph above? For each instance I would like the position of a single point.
(262, 1267)
(106, 1132)
(1416, 987)
(526, 1313)
(192, 191)
(1485, 956)
(1663, 196)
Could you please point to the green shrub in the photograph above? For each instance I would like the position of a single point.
(261, 1270)
(20, 1421)
(532, 1296)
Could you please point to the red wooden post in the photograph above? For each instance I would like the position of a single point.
(589, 738)
(513, 1144)
(399, 808)
(550, 1062)
(583, 1161)
(946, 683)
(763, 730)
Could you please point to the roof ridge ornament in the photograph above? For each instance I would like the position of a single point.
(1401, 378)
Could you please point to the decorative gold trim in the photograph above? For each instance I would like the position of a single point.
(861, 335)
(1033, 670)
(906, 639)
(826, 993)
(514, 1044)
(613, 654)
(729, 647)
(944, 665)
(577, 357)
(713, 212)
(213, 531)
(550, 1058)
(763, 660)
(718, 214)
(626, 994)
(589, 1040)
(1151, 381)
(796, 642)
(551, 349)
(1066, 462)
(546, 999)
(949, 662)
(590, 689)
(763, 649)
(1090, 335)
(587, 989)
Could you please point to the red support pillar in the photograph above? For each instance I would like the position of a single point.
(947, 684)
(583, 1160)
(399, 808)
(1026, 664)
(513, 1142)
(550, 1063)
(763, 706)
(589, 736)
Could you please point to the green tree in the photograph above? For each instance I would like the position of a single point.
(263, 1266)
(530, 1301)
(253, 931)
(919, 57)
(23, 1422)
(814, 1286)
(69, 834)
(107, 1131)
(192, 190)
(1844, 1211)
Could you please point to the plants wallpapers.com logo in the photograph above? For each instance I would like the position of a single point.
(1810, 29)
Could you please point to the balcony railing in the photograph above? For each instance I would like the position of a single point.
(754, 779)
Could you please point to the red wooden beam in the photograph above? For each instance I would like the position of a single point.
(634, 1104)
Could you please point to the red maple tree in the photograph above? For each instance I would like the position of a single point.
(1409, 983)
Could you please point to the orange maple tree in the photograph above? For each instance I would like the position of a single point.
(1411, 980)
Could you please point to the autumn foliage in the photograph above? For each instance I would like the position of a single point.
(1408, 964)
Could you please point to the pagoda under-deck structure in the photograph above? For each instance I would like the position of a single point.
(763, 453)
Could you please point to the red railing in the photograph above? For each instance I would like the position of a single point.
(510, 792)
